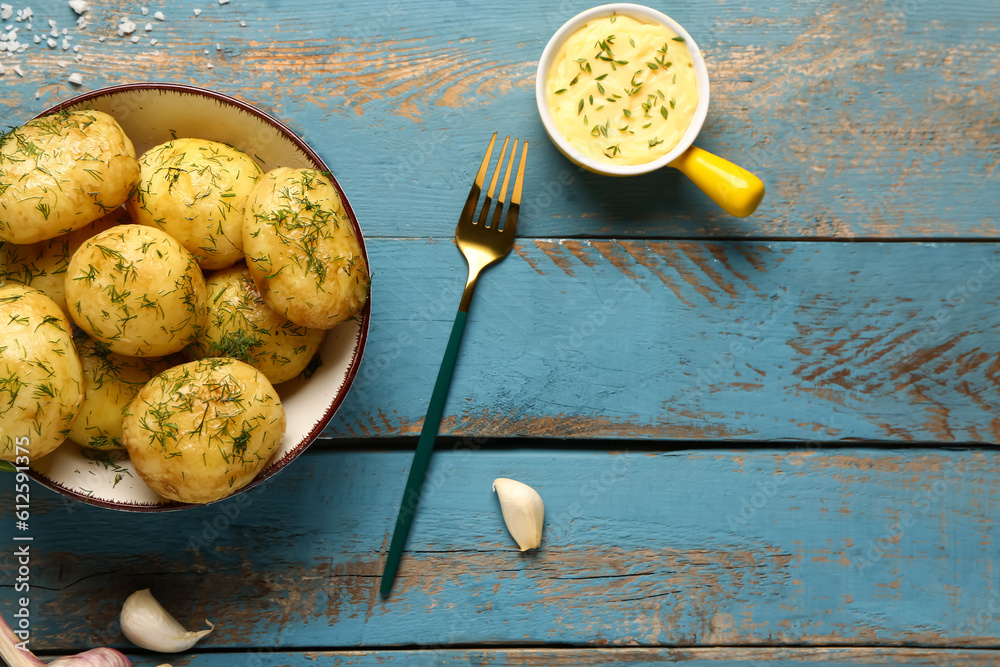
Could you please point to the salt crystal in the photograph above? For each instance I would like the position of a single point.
(211, 66)
(79, 6)
(61, 63)
(134, 39)
(159, 16)
(218, 47)
(145, 10)
(197, 12)
(76, 49)
(6, 11)
(126, 27)
(65, 44)
(37, 39)
(75, 78)
(223, 2)
(148, 27)
(243, 24)
(153, 42)
(101, 38)
(17, 70)
(52, 43)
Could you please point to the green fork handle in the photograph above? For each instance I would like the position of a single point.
(422, 457)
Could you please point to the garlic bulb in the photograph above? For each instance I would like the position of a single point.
(148, 625)
(16, 654)
(523, 511)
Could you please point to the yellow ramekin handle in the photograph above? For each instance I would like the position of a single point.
(729, 185)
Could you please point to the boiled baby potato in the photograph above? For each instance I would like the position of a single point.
(241, 325)
(40, 374)
(61, 172)
(195, 190)
(43, 265)
(203, 430)
(301, 249)
(137, 290)
(110, 382)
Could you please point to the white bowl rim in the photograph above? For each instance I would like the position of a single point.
(365, 315)
(647, 14)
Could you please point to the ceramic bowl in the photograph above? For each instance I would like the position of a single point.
(151, 114)
(729, 185)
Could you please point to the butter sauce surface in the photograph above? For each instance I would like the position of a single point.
(622, 91)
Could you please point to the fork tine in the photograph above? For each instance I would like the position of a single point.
(484, 214)
(470, 204)
(503, 190)
(515, 199)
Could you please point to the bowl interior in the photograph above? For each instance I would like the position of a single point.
(151, 114)
(646, 15)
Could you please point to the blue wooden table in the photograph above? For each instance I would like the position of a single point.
(762, 440)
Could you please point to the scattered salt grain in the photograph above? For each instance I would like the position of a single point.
(17, 70)
(223, 2)
(159, 16)
(134, 39)
(75, 78)
(144, 10)
(148, 27)
(211, 66)
(52, 43)
(6, 11)
(36, 39)
(152, 42)
(197, 12)
(243, 24)
(79, 6)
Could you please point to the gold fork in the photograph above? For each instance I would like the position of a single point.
(483, 241)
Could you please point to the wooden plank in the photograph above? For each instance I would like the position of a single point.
(679, 549)
(873, 120)
(632, 657)
(657, 340)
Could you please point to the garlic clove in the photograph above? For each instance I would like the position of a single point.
(148, 625)
(523, 512)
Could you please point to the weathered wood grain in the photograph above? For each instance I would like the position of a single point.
(682, 549)
(873, 119)
(633, 657)
(651, 340)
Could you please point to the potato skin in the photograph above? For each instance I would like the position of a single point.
(40, 374)
(110, 382)
(203, 430)
(61, 172)
(301, 249)
(241, 325)
(137, 290)
(195, 190)
(43, 265)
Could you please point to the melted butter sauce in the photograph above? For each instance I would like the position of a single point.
(621, 91)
